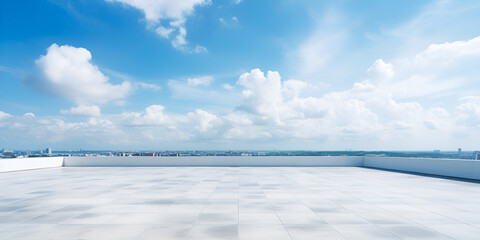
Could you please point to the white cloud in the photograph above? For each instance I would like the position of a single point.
(368, 109)
(4, 115)
(263, 95)
(448, 52)
(228, 86)
(204, 120)
(200, 49)
(440, 69)
(29, 115)
(153, 115)
(381, 71)
(67, 72)
(164, 32)
(157, 10)
(292, 88)
(222, 21)
(454, 18)
(203, 81)
(31, 132)
(229, 22)
(148, 86)
(469, 111)
(155, 124)
(167, 17)
(83, 110)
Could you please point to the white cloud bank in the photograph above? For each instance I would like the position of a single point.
(168, 18)
(373, 113)
(273, 112)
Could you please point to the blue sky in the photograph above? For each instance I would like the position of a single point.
(199, 74)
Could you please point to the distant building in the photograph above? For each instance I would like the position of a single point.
(476, 155)
(48, 151)
(459, 150)
(7, 151)
(150, 154)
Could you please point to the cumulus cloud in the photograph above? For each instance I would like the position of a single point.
(155, 115)
(440, 69)
(68, 72)
(469, 111)
(263, 94)
(380, 71)
(4, 115)
(204, 121)
(446, 53)
(83, 110)
(152, 115)
(155, 124)
(168, 18)
(203, 81)
(277, 107)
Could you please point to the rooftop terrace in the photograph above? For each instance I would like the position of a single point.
(235, 203)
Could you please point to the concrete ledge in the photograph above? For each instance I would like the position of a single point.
(444, 167)
(227, 161)
(19, 164)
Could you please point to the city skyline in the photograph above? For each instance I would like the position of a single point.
(284, 75)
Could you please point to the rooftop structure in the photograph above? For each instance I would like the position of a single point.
(247, 202)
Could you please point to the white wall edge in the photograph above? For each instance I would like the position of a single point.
(19, 164)
(444, 167)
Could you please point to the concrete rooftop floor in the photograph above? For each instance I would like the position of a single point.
(235, 203)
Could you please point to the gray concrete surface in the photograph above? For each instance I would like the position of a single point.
(235, 203)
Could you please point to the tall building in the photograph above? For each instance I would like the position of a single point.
(459, 150)
(48, 151)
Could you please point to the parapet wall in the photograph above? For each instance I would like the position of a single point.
(444, 167)
(218, 161)
(19, 164)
